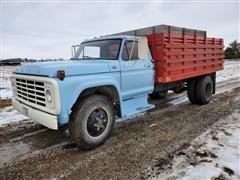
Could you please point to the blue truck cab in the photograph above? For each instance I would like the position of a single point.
(107, 78)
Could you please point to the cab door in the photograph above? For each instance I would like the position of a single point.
(136, 69)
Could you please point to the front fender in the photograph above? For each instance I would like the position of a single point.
(73, 86)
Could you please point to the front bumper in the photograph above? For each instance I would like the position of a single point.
(43, 118)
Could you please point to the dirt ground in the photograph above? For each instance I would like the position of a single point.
(212, 155)
(137, 148)
(5, 102)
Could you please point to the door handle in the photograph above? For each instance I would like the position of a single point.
(147, 65)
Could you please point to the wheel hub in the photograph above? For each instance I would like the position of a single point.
(97, 122)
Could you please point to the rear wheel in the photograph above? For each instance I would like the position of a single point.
(204, 90)
(159, 95)
(91, 121)
(191, 91)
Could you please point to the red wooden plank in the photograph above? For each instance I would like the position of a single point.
(192, 46)
(179, 57)
(192, 66)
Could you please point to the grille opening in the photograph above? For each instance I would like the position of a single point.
(30, 91)
(31, 96)
(41, 99)
(32, 101)
(30, 82)
(40, 89)
(39, 83)
(31, 87)
(40, 94)
(42, 104)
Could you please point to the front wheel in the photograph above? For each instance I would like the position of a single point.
(91, 121)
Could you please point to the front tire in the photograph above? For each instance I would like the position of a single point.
(91, 121)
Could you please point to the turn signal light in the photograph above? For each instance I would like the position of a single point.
(61, 74)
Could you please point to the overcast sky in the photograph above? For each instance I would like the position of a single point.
(48, 29)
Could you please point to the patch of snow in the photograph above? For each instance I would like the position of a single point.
(6, 93)
(181, 100)
(9, 115)
(5, 83)
(231, 71)
(214, 154)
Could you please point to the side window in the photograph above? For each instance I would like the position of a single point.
(110, 51)
(130, 51)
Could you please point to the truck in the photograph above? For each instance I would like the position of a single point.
(114, 76)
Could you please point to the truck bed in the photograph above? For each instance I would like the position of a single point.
(181, 53)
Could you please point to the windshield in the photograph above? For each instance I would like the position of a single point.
(101, 49)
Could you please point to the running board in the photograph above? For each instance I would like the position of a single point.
(134, 106)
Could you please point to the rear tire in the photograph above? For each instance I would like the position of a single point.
(159, 95)
(191, 91)
(91, 121)
(204, 90)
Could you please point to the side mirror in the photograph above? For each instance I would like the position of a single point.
(143, 48)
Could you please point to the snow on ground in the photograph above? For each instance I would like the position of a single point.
(213, 155)
(5, 83)
(231, 71)
(9, 115)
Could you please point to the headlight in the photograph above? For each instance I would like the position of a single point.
(49, 95)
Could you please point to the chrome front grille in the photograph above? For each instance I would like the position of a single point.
(31, 91)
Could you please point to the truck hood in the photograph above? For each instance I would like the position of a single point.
(70, 67)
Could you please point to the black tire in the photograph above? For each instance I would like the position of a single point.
(204, 90)
(191, 91)
(91, 121)
(159, 95)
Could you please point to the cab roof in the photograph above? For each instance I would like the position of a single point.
(112, 37)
